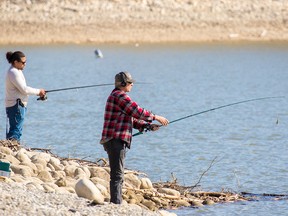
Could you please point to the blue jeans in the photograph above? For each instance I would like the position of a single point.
(15, 115)
(116, 150)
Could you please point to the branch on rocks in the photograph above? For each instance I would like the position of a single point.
(214, 194)
(12, 144)
(210, 166)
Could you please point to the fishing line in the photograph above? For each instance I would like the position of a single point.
(212, 109)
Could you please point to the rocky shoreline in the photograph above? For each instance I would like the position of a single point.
(142, 21)
(41, 183)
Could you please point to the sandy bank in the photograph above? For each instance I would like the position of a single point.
(120, 21)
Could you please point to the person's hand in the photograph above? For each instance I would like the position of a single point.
(42, 93)
(154, 127)
(162, 120)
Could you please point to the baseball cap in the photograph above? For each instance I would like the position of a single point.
(124, 77)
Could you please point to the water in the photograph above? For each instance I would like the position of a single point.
(249, 140)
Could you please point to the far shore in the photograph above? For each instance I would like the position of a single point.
(138, 22)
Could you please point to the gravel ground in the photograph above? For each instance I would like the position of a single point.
(17, 199)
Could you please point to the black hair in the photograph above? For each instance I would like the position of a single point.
(14, 56)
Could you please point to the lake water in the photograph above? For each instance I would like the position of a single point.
(248, 139)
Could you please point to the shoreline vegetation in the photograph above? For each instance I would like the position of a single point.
(43, 183)
(142, 21)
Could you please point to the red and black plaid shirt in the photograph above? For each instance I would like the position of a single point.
(121, 115)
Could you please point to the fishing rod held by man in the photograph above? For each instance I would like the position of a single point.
(212, 109)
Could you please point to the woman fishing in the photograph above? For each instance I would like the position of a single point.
(16, 97)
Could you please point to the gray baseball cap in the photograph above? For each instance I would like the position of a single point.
(124, 77)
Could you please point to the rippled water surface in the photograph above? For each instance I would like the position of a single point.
(248, 140)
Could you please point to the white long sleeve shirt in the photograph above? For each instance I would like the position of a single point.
(16, 87)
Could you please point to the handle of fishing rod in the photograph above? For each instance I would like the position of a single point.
(44, 98)
(148, 127)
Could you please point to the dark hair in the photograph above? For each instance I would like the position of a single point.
(16, 56)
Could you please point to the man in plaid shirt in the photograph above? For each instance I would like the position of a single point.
(121, 115)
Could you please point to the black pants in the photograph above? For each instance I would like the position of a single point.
(116, 150)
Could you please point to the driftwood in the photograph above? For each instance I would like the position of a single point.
(12, 144)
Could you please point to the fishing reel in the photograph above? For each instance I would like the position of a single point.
(44, 98)
(150, 127)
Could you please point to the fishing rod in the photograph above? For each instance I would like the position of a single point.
(70, 88)
(215, 108)
(79, 87)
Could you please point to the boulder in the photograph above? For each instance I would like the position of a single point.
(80, 173)
(9, 158)
(146, 183)
(169, 191)
(40, 155)
(70, 170)
(22, 157)
(6, 150)
(132, 180)
(85, 188)
(41, 161)
(45, 176)
(100, 173)
(101, 181)
(25, 171)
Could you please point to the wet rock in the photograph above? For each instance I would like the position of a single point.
(196, 204)
(208, 202)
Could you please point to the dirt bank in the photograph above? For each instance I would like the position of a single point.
(106, 21)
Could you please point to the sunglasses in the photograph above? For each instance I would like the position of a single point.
(22, 62)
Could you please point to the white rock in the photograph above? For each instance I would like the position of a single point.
(132, 180)
(22, 157)
(25, 171)
(166, 213)
(70, 170)
(100, 173)
(6, 150)
(169, 191)
(41, 155)
(85, 188)
(146, 183)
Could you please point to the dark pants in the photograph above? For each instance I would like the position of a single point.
(116, 150)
